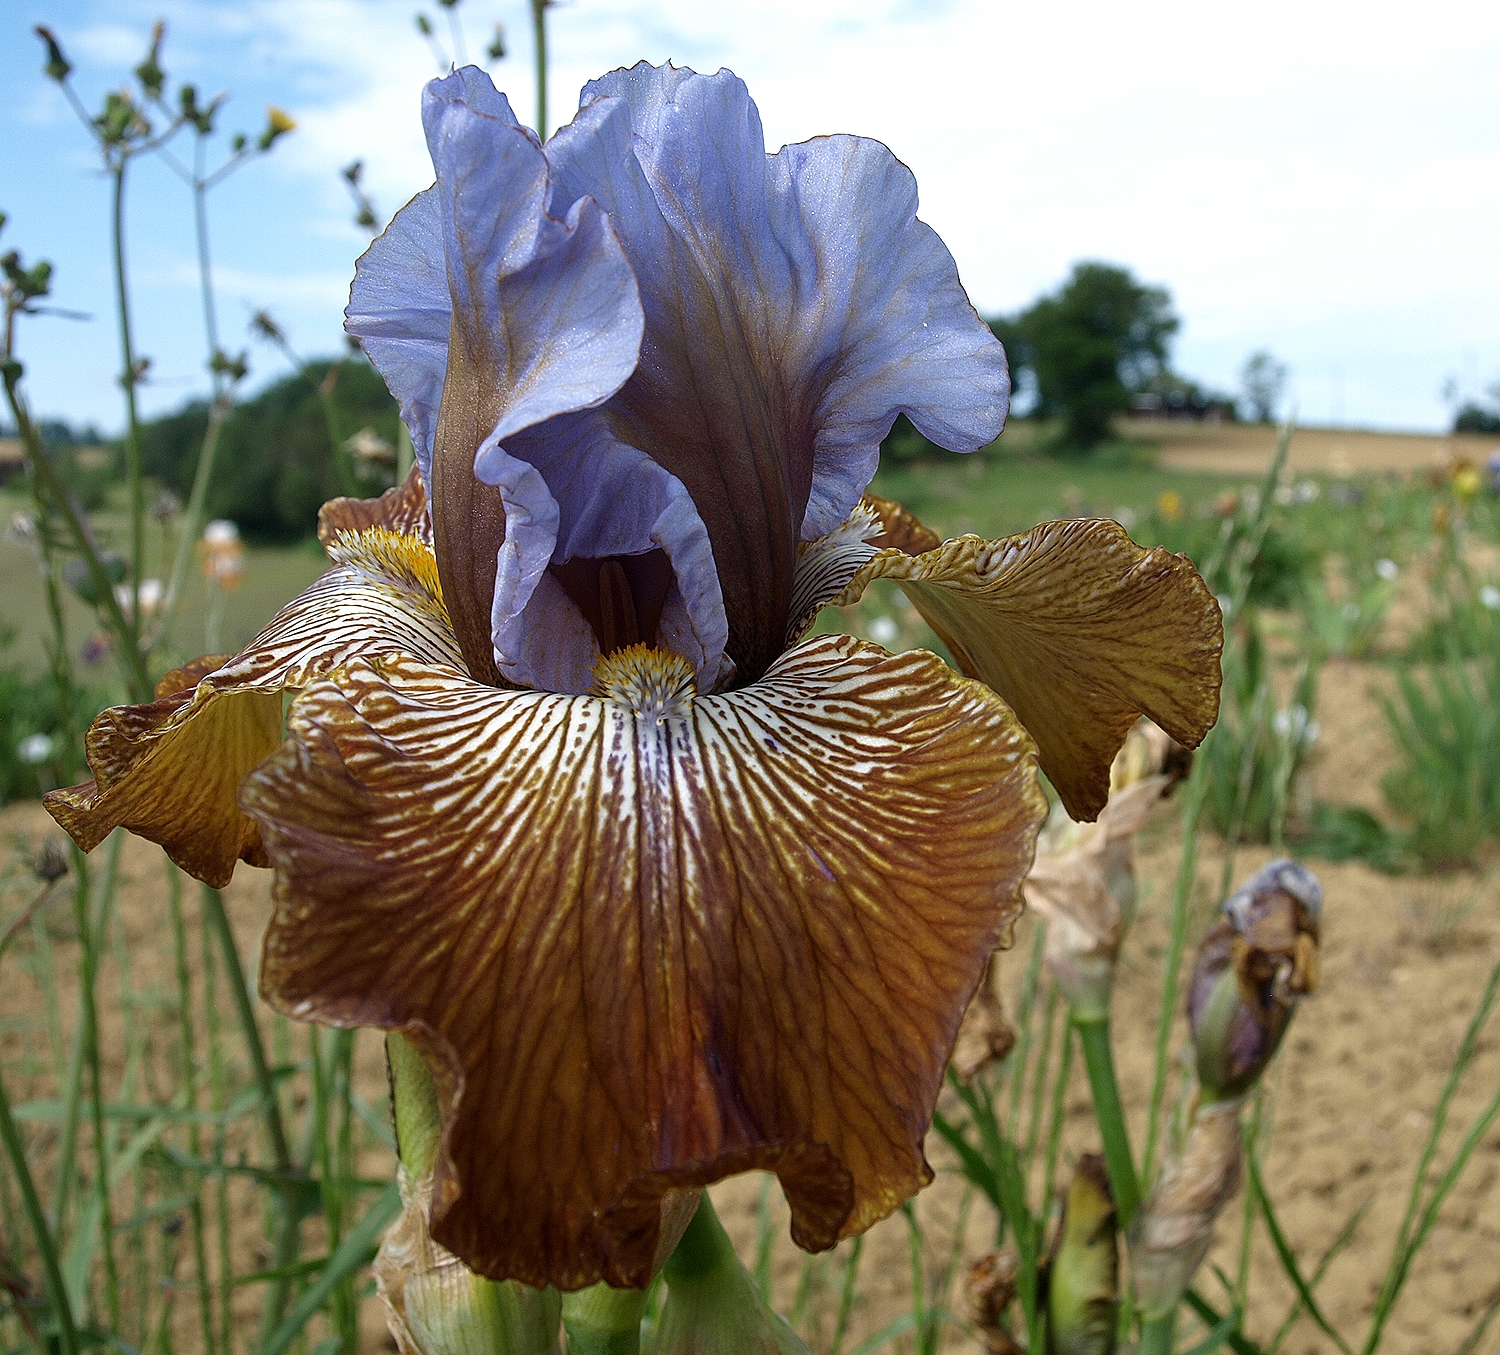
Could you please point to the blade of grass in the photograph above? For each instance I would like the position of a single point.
(1058, 1115)
(1216, 1338)
(1238, 1342)
(846, 1296)
(1345, 1236)
(1197, 795)
(765, 1235)
(1441, 1191)
(1288, 1259)
(288, 1224)
(353, 1252)
(1039, 1081)
(41, 1236)
(1025, 1009)
(1466, 1051)
(1471, 1342)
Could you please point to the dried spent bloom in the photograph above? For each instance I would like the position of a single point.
(51, 860)
(989, 1291)
(1173, 1232)
(436, 1305)
(1253, 966)
(1082, 1275)
(985, 1037)
(660, 890)
(1083, 879)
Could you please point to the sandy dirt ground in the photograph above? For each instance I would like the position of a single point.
(1349, 1102)
(1245, 449)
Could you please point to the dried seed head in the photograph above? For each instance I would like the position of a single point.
(989, 1292)
(51, 860)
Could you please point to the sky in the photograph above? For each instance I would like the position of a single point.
(1319, 178)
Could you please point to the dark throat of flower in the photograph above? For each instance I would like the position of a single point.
(621, 596)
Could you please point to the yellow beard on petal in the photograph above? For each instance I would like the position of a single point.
(653, 684)
(394, 560)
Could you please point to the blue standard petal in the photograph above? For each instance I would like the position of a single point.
(794, 306)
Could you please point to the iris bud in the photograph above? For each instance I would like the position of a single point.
(713, 1306)
(1083, 1273)
(1255, 962)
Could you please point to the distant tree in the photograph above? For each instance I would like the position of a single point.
(1089, 346)
(1476, 416)
(275, 464)
(1263, 380)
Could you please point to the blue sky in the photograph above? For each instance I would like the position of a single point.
(1316, 177)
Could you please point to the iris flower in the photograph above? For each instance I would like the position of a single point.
(661, 890)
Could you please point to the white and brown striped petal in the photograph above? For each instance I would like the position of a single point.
(646, 939)
(1079, 629)
(170, 770)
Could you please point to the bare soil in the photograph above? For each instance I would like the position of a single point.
(1246, 448)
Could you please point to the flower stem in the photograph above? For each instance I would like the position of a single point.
(539, 21)
(133, 423)
(604, 1321)
(287, 1238)
(88, 964)
(57, 1293)
(1156, 1335)
(1099, 1059)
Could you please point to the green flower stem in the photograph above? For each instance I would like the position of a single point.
(1099, 1059)
(88, 964)
(189, 1077)
(1156, 1335)
(288, 1225)
(57, 1294)
(133, 422)
(1187, 873)
(604, 1321)
(539, 23)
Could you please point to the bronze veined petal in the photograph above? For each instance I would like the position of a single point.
(1079, 629)
(647, 939)
(169, 770)
(402, 509)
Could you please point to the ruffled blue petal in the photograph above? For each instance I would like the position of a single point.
(794, 306)
(880, 324)
(547, 308)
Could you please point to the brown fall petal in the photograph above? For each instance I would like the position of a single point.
(1076, 627)
(170, 770)
(713, 933)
